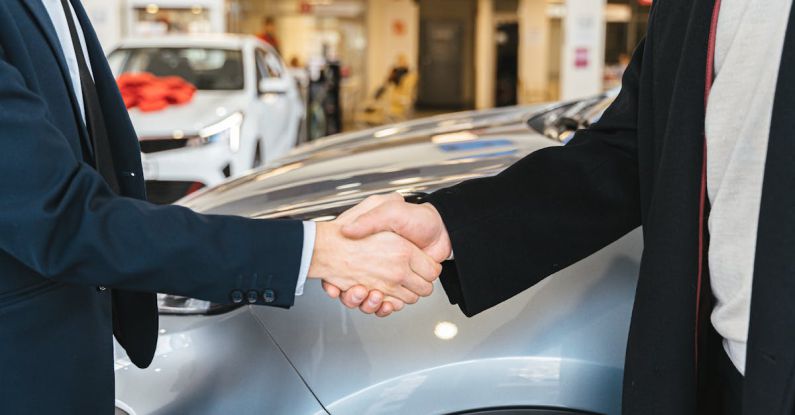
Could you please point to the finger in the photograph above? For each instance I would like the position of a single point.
(384, 217)
(331, 290)
(406, 295)
(396, 304)
(386, 309)
(390, 305)
(373, 302)
(424, 266)
(417, 284)
(354, 297)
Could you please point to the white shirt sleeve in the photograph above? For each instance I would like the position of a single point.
(310, 228)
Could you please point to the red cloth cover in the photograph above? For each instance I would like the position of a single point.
(151, 93)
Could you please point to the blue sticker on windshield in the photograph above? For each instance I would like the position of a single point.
(475, 145)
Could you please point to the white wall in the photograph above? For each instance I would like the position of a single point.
(584, 36)
(384, 41)
(533, 51)
(106, 16)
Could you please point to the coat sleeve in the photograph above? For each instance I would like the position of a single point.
(549, 210)
(59, 218)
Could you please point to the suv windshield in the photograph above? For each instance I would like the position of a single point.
(207, 69)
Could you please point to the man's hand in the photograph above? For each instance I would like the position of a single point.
(383, 261)
(420, 224)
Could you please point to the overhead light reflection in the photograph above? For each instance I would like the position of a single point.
(386, 132)
(409, 180)
(279, 170)
(324, 218)
(348, 192)
(445, 330)
(454, 137)
(348, 186)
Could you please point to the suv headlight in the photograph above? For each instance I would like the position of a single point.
(175, 304)
(227, 130)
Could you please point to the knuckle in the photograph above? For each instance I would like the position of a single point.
(428, 290)
(384, 287)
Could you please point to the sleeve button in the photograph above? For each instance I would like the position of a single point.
(236, 296)
(269, 296)
(252, 296)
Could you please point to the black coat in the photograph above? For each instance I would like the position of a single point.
(642, 165)
(63, 233)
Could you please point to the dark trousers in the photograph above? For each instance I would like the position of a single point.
(721, 386)
(720, 383)
(731, 386)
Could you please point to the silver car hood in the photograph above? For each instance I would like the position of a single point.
(424, 156)
(558, 344)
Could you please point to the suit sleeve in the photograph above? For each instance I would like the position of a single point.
(546, 212)
(59, 218)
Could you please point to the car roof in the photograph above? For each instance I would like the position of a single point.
(226, 41)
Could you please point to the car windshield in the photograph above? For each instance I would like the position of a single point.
(207, 69)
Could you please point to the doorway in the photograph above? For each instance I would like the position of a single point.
(441, 63)
(507, 73)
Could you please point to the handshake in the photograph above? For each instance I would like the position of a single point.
(381, 254)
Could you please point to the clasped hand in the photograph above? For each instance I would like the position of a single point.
(381, 254)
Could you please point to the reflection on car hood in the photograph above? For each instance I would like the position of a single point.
(439, 124)
(424, 156)
(206, 108)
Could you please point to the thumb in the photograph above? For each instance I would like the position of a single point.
(370, 223)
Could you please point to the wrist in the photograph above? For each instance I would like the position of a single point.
(443, 244)
(320, 265)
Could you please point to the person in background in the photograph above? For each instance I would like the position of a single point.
(396, 75)
(268, 33)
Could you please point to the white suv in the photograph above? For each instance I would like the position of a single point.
(247, 109)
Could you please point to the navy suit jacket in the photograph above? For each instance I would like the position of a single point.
(63, 233)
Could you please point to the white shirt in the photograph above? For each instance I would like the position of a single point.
(750, 42)
(58, 18)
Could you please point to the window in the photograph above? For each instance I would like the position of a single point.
(207, 69)
(268, 64)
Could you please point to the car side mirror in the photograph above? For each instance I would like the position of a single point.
(277, 86)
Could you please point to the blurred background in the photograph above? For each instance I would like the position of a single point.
(216, 88)
(398, 59)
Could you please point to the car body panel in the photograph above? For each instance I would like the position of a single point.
(193, 374)
(558, 345)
